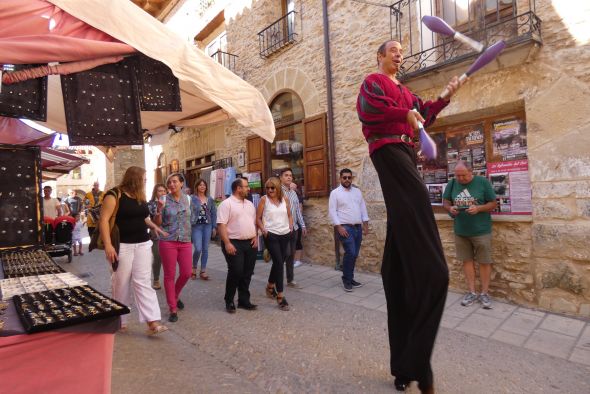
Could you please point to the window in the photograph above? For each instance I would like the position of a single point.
(496, 148)
(77, 173)
(287, 148)
(467, 15)
(218, 44)
(300, 144)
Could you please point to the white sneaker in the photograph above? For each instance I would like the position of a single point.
(297, 264)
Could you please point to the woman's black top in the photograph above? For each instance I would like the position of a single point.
(131, 220)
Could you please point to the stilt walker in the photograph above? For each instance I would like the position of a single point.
(414, 270)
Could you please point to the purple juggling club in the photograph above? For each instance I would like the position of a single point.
(437, 25)
(427, 144)
(486, 57)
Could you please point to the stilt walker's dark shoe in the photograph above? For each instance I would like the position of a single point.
(401, 384)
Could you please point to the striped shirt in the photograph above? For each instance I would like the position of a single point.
(295, 211)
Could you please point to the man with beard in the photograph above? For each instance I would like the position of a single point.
(348, 213)
(414, 270)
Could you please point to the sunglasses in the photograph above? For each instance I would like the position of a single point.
(347, 177)
(270, 188)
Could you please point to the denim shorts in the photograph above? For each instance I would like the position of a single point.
(478, 248)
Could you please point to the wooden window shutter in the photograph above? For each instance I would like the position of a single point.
(256, 155)
(315, 156)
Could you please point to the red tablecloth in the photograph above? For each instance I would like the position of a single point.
(56, 362)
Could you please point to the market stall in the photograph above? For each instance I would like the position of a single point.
(56, 332)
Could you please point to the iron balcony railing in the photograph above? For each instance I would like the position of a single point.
(227, 60)
(487, 21)
(278, 35)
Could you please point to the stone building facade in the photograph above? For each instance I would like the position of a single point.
(541, 259)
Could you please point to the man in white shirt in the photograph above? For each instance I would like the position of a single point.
(51, 206)
(348, 213)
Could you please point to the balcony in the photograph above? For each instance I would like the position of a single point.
(431, 55)
(227, 60)
(278, 35)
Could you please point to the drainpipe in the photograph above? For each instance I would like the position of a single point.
(331, 139)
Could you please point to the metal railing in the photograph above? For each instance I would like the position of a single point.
(227, 60)
(513, 21)
(278, 35)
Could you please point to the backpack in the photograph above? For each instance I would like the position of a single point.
(96, 240)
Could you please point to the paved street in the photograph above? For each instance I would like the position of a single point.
(336, 342)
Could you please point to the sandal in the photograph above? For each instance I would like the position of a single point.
(160, 328)
(271, 291)
(203, 275)
(283, 304)
(156, 285)
(194, 274)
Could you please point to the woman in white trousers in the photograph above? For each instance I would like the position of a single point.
(131, 265)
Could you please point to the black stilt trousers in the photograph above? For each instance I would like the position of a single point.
(414, 271)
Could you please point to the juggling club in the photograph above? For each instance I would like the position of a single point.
(438, 25)
(486, 57)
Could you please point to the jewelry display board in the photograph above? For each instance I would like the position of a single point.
(102, 106)
(19, 263)
(51, 309)
(26, 99)
(20, 196)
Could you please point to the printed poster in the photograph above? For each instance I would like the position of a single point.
(435, 170)
(466, 145)
(435, 192)
(509, 140)
(511, 183)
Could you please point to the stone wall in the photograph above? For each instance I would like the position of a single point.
(125, 157)
(543, 260)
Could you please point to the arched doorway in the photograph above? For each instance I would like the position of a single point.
(287, 148)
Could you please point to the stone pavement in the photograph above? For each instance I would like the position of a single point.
(336, 342)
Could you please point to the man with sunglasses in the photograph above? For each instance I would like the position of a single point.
(348, 213)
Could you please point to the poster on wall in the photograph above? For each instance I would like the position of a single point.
(435, 170)
(435, 192)
(511, 183)
(466, 145)
(509, 140)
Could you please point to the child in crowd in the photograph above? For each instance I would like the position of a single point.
(77, 235)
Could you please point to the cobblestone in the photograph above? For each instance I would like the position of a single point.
(335, 344)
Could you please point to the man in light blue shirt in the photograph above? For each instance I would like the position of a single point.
(348, 213)
(286, 180)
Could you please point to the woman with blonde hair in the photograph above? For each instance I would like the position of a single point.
(131, 263)
(273, 218)
(174, 215)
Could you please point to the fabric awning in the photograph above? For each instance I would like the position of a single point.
(16, 132)
(38, 31)
(56, 163)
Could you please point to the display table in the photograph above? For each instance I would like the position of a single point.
(56, 362)
(75, 359)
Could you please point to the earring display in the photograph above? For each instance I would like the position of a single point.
(51, 309)
(27, 262)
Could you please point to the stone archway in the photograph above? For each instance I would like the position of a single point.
(296, 80)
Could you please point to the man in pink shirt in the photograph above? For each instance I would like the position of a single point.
(236, 224)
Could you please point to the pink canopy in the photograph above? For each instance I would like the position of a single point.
(39, 32)
(84, 32)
